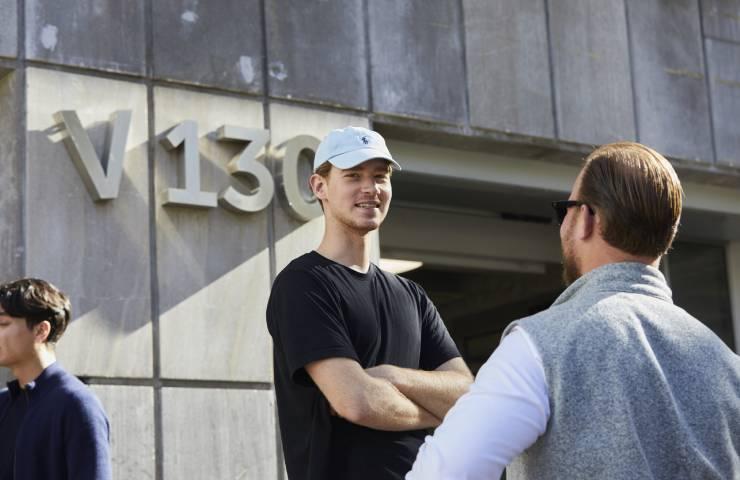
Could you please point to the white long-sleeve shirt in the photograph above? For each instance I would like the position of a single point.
(504, 412)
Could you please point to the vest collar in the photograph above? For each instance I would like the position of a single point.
(626, 277)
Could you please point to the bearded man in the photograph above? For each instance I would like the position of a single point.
(613, 380)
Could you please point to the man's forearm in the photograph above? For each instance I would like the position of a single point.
(384, 407)
(365, 399)
(435, 391)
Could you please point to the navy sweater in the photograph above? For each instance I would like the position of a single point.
(54, 429)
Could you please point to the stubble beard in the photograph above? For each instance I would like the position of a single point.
(358, 226)
(571, 270)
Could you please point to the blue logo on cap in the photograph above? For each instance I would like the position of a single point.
(365, 140)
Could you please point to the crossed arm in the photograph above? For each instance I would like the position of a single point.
(435, 391)
(387, 397)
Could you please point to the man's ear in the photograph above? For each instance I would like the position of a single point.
(589, 224)
(318, 186)
(41, 331)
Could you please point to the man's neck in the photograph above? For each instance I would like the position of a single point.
(607, 254)
(30, 370)
(349, 249)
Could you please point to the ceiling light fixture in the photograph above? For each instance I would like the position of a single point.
(396, 266)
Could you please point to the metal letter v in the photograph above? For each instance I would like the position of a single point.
(102, 184)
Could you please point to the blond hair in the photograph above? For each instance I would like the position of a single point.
(638, 195)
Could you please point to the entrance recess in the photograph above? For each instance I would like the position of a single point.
(483, 219)
(489, 255)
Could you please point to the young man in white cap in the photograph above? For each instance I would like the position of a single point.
(363, 363)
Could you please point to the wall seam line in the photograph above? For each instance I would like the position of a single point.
(153, 257)
(22, 118)
(368, 60)
(630, 51)
(271, 210)
(551, 65)
(464, 50)
(707, 82)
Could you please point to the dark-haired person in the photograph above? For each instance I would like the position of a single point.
(51, 425)
(363, 363)
(613, 381)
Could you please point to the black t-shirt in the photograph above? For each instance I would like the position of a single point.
(321, 309)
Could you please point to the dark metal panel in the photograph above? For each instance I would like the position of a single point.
(724, 71)
(721, 19)
(317, 51)
(8, 28)
(593, 91)
(209, 43)
(417, 59)
(105, 34)
(669, 79)
(508, 66)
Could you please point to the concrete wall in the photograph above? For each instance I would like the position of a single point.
(169, 300)
(584, 72)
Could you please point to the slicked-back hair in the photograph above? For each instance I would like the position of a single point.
(638, 195)
(37, 300)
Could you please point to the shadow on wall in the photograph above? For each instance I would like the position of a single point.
(212, 265)
(97, 252)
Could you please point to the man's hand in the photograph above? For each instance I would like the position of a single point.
(436, 391)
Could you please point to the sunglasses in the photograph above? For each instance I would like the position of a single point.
(561, 208)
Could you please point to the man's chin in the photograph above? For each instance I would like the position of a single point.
(368, 225)
(361, 227)
(365, 229)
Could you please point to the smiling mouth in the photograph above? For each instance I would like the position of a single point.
(368, 205)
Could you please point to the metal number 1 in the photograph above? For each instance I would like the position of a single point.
(192, 196)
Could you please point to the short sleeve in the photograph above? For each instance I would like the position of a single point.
(437, 347)
(305, 319)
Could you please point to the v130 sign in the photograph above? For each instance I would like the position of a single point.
(102, 177)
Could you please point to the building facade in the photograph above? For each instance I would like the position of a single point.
(154, 156)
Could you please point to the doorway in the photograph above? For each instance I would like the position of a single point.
(486, 255)
(477, 305)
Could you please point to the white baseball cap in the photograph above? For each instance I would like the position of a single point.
(350, 146)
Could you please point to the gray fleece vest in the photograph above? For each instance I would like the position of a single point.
(638, 388)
